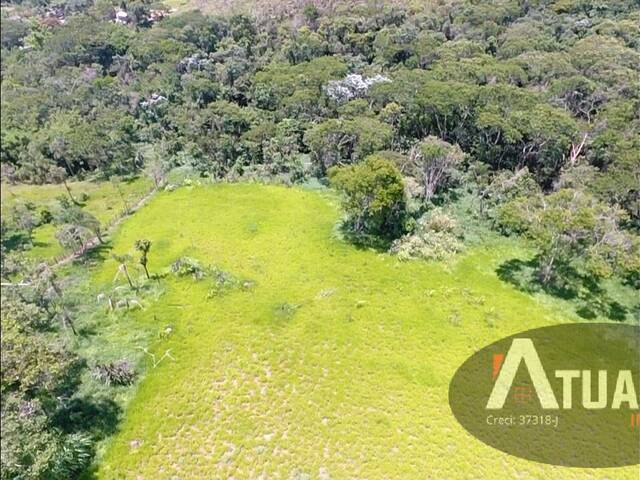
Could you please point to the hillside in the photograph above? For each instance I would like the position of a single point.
(259, 239)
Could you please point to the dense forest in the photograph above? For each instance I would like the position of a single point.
(526, 111)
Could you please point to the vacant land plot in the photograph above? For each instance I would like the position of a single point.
(327, 362)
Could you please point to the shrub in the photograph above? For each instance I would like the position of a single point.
(115, 373)
(186, 266)
(45, 216)
(434, 238)
(73, 237)
(73, 456)
(285, 311)
(223, 282)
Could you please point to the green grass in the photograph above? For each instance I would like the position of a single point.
(335, 364)
(105, 200)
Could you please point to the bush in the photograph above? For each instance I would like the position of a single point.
(32, 449)
(115, 373)
(46, 216)
(185, 266)
(434, 238)
(223, 282)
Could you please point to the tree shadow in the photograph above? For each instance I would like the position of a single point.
(97, 416)
(84, 413)
(72, 379)
(97, 254)
(363, 241)
(16, 240)
(584, 291)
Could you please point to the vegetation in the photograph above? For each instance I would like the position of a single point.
(35, 234)
(260, 370)
(436, 236)
(495, 143)
(374, 196)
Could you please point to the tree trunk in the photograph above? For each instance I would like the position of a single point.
(546, 272)
(126, 274)
(67, 322)
(73, 199)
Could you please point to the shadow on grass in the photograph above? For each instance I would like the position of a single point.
(584, 291)
(97, 416)
(99, 253)
(362, 241)
(16, 240)
(90, 414)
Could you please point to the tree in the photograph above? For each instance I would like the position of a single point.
(434, 163)
(38, 371)
(503, 187)
(31, 362)
(73, 237)
(336, 142)
(78, 217)
(143, 246)
(24, 218)
(579, 95)
(311, 13)
(13, 31)
(373, 193)
(49, 294)
(59, 174)
(514, 130)
(571, 228)
(277, 82)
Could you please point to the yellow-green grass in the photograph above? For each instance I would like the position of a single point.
(351, 385)
(106, 200)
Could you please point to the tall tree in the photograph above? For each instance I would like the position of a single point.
(434, 164)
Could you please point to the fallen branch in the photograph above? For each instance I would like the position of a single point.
(167, 354)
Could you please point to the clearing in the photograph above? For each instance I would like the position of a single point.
(334, 363)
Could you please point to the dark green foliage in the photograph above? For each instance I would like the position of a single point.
(572, 228)
(373, 197)
(513, 85)
(38, 371)
(32, 450)
(334, 142)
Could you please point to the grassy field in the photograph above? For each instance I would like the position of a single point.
(105, 200)
(333, 363)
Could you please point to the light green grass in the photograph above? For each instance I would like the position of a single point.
(352, 385)
(106, 201)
